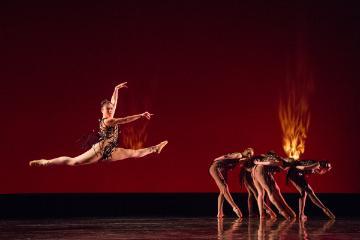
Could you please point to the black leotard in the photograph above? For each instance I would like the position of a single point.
(108, 138)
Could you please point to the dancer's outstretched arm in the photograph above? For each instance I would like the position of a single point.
(310, 167)
(268, 163)
(128, 119)
(114, 97)
(229, 156)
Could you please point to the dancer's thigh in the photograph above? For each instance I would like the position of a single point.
(90, 156)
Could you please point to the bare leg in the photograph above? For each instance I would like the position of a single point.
(308, 191)
(224, 190)
(251, 199)
(260, 193)
(302, 200)
(93, 155)
(123, 153)
(220, 206)
(253, 195)
(282, 201)
(318, 203)
(87, 157)
(259, 173)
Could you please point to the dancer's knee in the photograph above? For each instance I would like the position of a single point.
(291, 213)
(309, 191)
(272, 197)
(303, 194)
(260, 196)
(72, 162)
(223, 188)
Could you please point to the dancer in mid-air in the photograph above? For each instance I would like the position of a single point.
(265, 166)
(297, 177)
(106, 147)
(219, 170)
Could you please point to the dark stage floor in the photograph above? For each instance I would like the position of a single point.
(178, 228)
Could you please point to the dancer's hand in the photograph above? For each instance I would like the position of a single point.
(121, 85)
(147, 115)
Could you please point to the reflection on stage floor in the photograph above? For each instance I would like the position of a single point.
(178, 228)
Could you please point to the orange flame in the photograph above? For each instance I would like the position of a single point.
(294, 111)
(294, 117)
(134, 136)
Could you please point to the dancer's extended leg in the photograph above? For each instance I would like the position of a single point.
(123, 153)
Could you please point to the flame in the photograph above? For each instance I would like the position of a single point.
(294, 110)
(294, 117)
(134, 135)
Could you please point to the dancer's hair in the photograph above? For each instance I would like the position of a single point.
(104, 102)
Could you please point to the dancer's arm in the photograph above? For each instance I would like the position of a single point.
(229, 156)
(267, 163)
(310, 167)
(128, 119)
(114, 97)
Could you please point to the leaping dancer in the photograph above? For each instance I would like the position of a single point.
(106, 148)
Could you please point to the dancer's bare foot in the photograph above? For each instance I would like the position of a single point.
(303, 217)
(285, 215)
(271, 214)
(220, 215)
(160, 146)
(329, 213)
(238, 212)
(38, 163)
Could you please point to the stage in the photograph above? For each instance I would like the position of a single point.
(178, 228)
(164, 216)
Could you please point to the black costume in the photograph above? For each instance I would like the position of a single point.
(268, 171)
(109, 136)
(223, 166)
(245, 173)
(106, 136)
(299, 176)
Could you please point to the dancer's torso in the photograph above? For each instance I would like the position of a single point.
(108, 138)
(226, 164)
(267, 169)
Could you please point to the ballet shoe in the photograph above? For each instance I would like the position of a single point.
(160, 146)
(38, 163)
(238, 212)
(303, 217)
(329, 213)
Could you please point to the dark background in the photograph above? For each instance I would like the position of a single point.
(211, 72)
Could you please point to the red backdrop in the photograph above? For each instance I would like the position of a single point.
(211, 73)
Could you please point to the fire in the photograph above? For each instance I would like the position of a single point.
(134, 136)
(294, 117)
(294, 110)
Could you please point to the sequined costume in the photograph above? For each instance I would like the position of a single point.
(108, 138)
(267, 171)
(298, 176)
(245, 172)
(223, 166)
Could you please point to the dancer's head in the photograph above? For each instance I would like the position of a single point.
(106, 108)
(248, 152)
(272, 155)
(325, 166)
